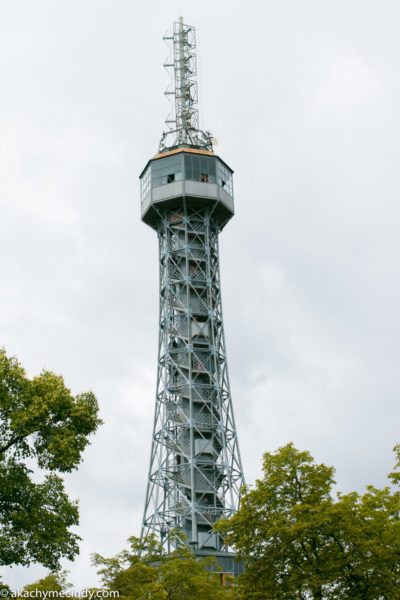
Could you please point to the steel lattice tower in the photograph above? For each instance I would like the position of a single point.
(195, 474)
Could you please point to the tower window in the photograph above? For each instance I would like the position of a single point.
(166, 170)
(145, 183)
(200, 168)
(224, 178)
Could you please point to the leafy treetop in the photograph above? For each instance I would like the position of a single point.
(42, 422)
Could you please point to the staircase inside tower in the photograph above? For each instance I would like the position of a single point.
(194, 412)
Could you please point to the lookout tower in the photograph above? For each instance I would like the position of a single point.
(195, 473)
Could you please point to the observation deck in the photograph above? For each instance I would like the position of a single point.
(196, 175)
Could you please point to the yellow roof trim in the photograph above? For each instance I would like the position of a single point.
(183, 149)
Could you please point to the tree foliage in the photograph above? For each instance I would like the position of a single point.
(298, 541)
(53, 582)
(296, 538)
(40, 422)
(145, 572)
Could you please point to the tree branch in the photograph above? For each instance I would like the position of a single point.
(14, 441)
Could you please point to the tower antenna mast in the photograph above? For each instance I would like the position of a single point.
(183, 128)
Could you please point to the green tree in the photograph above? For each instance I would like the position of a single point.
(4, 590)
(126, 573)
(366, 529)
(53, 582)
(298, 542)
(145, 572)
(40, 422)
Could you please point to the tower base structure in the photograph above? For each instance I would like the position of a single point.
(226, 561)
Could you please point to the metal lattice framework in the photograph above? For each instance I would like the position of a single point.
(195, 472)
(183, 126)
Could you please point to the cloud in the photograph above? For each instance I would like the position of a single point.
(304, 102)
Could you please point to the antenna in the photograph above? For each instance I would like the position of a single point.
(183, 127)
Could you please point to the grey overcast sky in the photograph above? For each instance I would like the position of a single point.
(304, 97)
